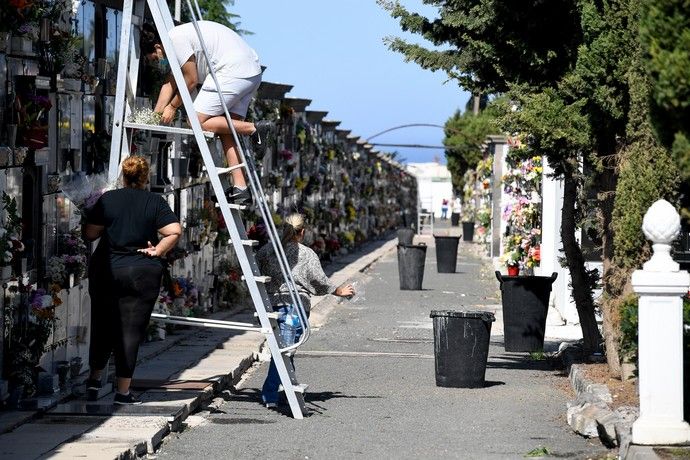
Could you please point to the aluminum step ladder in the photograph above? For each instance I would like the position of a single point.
(425, 216)
(128, 70)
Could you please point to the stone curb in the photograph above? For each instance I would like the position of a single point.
(591, 416)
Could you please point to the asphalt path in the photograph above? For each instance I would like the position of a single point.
(372, 391)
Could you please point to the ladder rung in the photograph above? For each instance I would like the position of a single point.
(270, 314)
(165, 129)
(260, 279)
(299, 388)
(229, 169)
(239, 207)
(205, 322)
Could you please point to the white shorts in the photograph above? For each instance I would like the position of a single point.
(237, 94)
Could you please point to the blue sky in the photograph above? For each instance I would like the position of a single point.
(333, 53)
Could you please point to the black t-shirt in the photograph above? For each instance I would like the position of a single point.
(131, 218)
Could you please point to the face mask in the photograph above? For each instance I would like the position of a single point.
(163, 64)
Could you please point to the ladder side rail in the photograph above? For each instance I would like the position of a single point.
(257, 192)
(177, 138)
(167, 18)
(197, 9)
(280, 252)
(132, 74)
(118, 130)
(258, 297)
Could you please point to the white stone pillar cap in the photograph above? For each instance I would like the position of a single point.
(661, 225)
(661, 283)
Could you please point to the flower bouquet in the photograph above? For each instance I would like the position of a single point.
(84, 191)
(10, 231)
(145, 116)
(512, 260)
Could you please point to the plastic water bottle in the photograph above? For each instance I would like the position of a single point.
(288, 328)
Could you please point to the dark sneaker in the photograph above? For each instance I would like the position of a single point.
(263, 128)
(126, 400)
(92, 388)
(239, 196)
(93, 384)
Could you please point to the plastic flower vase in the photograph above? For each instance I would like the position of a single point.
(513, 270)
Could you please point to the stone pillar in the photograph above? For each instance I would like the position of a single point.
(552, 245)
(660, 338)
(500, 148)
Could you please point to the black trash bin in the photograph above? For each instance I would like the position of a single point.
(446, 253)
(405, 236)
(411, 266)
(454, 219)
(467, 231)
(461, 347)
(525, 305)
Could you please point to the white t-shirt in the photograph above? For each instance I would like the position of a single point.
(230, 56)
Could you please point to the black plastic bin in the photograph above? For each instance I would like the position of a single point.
(467, 231)
(454, 219)
(525, 305)
(461, 347)
(405, 236)
(446, 253)
(411, 266)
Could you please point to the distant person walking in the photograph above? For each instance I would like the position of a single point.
(309, 277)
(456, 209)
(444, 209)
(125, 273)
(458, 205)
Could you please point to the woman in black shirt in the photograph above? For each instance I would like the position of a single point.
(125, 272)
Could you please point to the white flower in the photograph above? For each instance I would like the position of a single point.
(145, 116)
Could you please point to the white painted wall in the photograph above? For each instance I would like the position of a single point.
(434, 184)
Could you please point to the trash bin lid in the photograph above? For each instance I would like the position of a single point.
(419, 246)
(477, 314)
(446, 236)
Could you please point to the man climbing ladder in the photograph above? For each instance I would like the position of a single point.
(238, 71)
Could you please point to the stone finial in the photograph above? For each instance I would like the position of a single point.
(661, 225)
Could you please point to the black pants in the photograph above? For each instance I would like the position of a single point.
(122, 300)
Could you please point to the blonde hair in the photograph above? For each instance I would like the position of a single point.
(135, 171)
(292, 226)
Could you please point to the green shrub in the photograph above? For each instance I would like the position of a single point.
(629, 327)
(628, 338)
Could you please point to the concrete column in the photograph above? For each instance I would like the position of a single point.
(661, 286)
(552, 246)
(499, 147)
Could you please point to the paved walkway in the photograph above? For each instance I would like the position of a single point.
(372, 394)
(372, 390)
